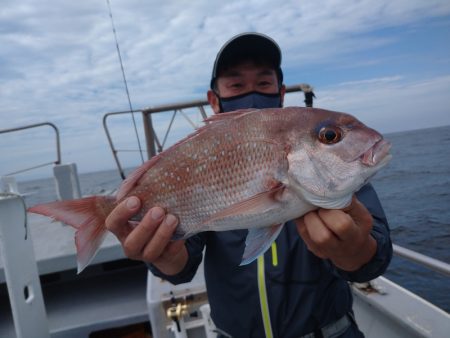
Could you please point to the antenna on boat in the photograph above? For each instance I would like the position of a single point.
(125, 80)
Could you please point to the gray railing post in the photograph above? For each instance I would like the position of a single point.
(67, 182)
(9, 184)
(22, 278)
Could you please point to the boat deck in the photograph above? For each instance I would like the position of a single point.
(54, 246)
(111, 292)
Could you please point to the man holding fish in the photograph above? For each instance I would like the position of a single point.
(277, 197)
(304, 289)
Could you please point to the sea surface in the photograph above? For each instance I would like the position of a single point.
(414, 190)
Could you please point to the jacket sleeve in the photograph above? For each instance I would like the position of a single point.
(194, 246)
(380, 232)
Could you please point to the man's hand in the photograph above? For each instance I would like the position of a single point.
(343, 236)
(149, 241)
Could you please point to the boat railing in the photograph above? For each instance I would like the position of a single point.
(423, 260)
(40, 165)
(66, 176)
(153, 143)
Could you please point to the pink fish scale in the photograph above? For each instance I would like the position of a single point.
(202, 183)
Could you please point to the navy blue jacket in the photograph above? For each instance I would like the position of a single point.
(304, 292)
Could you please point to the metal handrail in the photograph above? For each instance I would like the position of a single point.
(110, 141)
(423, 260)
(36, 125)
(150, 135)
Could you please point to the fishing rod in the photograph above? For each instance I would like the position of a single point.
(125, 79)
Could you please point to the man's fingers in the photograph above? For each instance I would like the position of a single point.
(318, 231)
(160, 239)
(339, 235)
(136, 241)
(117, 220)
(359, 213)
(304, 233)
(150, 239)
(339, 223)
(173, 258)
(172, 250)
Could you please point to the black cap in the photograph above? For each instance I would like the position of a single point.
(248, 45)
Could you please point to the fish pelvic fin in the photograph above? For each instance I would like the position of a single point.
(88, 216)
(258, 241)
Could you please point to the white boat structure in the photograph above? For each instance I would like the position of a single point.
(42, 296)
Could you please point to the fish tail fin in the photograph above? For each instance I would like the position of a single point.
(88, 216)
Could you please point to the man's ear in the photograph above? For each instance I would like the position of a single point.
(213, 101)
(282, 93)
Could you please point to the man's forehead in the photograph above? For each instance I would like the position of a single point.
(244, 68)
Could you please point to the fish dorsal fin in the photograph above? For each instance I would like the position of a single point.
(229, 115)
(258, 241)
(131, 180)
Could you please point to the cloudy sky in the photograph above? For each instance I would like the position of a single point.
(386, 62)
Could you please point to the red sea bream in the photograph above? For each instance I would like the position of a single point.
(253, 169)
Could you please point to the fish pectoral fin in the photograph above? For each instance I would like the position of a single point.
(260, 203)
(258, 241)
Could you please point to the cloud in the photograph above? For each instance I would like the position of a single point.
(371, 81)
(394, 103)
(58, 60)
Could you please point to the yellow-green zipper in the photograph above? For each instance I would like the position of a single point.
(274, 254)
(263, 297)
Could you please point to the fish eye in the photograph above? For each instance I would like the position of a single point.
(330, 135)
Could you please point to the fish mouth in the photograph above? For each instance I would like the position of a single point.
(378, 154)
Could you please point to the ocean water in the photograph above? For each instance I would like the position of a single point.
(414, 190)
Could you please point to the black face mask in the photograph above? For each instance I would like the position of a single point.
(249, 100)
